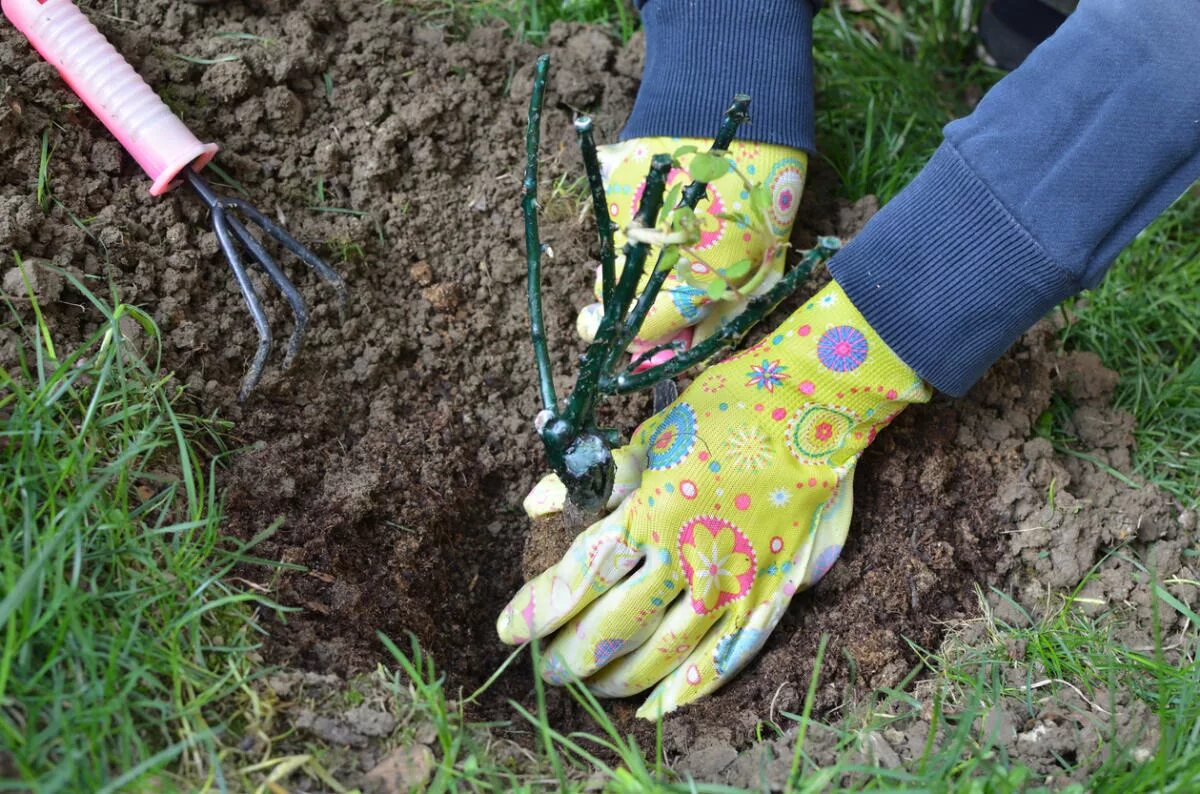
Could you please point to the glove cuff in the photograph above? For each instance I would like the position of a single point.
(698, 56)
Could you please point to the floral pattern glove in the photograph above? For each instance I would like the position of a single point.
(733, 499)
(685, 309)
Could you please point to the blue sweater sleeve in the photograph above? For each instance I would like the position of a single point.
(699, 53)
(1029, 199)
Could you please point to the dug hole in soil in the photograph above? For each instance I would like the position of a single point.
(397, 449)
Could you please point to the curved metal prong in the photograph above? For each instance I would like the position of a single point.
(279, 279)
(290, 243)
(254, 374)
(229, 226)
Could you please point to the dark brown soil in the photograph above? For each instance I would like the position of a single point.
(397, 450)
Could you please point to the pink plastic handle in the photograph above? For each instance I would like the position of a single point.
(107, 84)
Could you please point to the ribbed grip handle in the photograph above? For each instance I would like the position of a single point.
(108, 85)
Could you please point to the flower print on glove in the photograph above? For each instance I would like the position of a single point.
(731, 500)
(731, 249)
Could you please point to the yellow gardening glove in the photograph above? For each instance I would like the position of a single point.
(684, 309)
(731, 500)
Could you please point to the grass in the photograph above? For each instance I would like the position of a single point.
(888, 83)
(529, 20)
(578, 761)
(1143, 322)
(1076, 657)
(43, 173)
(122, 633)
(1063, 657)
(231, 36)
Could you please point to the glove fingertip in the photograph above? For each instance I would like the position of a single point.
(588, 321)
(629, 463)
(547, 497)
(656, 706)
(507, 624)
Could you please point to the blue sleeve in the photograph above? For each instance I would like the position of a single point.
(1030, 198)
(700, 53)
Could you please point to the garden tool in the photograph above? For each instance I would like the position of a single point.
(726, 505)
(169, 153)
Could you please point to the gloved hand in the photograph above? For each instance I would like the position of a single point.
(730, 501)
(684, 308)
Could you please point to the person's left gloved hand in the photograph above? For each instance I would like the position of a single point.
(728, 502)
(733, 250)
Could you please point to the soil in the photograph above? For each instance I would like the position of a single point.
(395, 453)
(367, 732)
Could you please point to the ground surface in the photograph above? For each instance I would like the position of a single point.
(397, 449)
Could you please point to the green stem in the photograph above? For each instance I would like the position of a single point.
(604, 224)
(738, 114)
(605, 348)
(730, 333)
(533, 241)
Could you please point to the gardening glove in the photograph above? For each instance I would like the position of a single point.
(735, 498)
(684, 309)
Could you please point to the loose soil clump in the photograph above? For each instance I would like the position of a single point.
(396, 452)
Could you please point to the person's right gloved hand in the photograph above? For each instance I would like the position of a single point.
(685, 309)
(727, 504)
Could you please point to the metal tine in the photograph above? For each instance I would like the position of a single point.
(280, 279)
(229, 226)
(229, 247)
(290, 243)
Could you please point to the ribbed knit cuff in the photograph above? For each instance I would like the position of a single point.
(700, 54)
(947, 277)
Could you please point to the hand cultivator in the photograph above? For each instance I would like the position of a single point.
(168, 152)
(579, 452)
